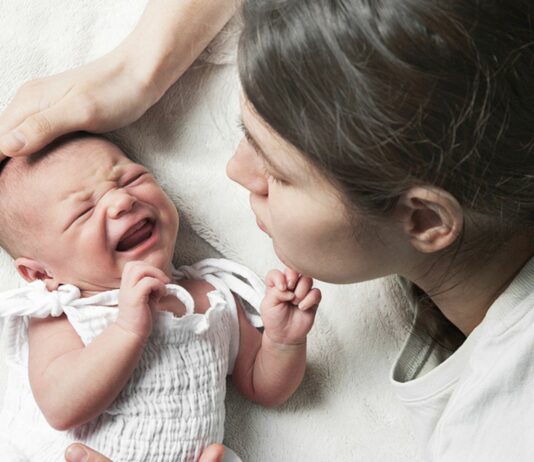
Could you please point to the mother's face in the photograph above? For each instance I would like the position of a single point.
(299, 209)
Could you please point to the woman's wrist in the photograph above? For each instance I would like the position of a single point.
(167, 40)
(143, 70)
(147, 65)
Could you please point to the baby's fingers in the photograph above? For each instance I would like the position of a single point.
(135, 271)
(310, 300)
(151, 289)
(276, 278)
(304, 285)
(274, 297)
(292, 277)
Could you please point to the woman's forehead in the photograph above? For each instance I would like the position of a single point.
(274, 149)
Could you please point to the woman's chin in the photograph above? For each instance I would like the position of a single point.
(286, 261)
(308, 270)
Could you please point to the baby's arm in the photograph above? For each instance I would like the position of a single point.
(72, 383)
(270, 367)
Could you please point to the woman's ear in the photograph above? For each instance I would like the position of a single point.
(431, 217)
(31, 270)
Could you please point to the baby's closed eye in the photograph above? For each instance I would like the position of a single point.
(139, 177)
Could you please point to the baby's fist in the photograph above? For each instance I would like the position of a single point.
(142, 285)
(288, 309)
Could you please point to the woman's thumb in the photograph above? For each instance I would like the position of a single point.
(37, 130)
(213, 453)
(79, 453)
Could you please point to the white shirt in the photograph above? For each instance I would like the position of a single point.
(478, 403)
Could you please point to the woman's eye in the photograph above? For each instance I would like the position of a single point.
(252, 143)
(276, 180)
(273, 178)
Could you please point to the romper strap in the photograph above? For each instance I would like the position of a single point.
(229, 278)
(238, 278)
(35, 300)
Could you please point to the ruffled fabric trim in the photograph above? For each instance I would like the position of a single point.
(93, 314)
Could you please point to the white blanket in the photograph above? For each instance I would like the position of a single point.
(345, 409)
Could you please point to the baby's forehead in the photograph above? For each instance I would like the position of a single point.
(84, 164)
(83, 158)
(64, 168)
(85, 152)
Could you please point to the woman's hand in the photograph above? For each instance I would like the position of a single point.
(118, 88)
(100, 96)
(79, 453)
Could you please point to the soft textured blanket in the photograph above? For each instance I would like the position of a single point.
(345, 409)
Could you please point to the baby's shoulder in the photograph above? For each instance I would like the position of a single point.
(198, 289)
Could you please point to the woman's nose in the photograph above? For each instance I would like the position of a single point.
(246, 168)
(119, 202)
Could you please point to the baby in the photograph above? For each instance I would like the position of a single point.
(120, 350)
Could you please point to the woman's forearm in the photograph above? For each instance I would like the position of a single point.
(171, 34)
(118, 88)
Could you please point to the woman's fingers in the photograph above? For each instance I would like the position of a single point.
(77, 452)
(37, 114)
(100, 96)
(36, 131)
(213, 453)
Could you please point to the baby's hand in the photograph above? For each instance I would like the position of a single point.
(288, 309)
(142, 285)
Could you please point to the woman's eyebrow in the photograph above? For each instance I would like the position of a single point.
(257, 147)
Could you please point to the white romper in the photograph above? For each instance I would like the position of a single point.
(173, 405)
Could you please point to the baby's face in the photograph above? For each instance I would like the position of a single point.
(94, 210)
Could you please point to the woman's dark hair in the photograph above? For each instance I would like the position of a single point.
(382, 95)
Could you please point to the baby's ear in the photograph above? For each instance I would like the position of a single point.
(31, 270)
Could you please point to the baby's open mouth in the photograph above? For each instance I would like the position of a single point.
(136, 235)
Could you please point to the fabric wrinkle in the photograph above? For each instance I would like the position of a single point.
(173, 404)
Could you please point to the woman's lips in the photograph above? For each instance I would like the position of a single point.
(262, 226)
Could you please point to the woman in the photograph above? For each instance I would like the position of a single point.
(395, 138)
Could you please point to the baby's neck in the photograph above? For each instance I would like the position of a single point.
(89, 288)
(166, 303)
(198, 290)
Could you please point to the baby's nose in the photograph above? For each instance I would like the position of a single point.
(121, 202)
